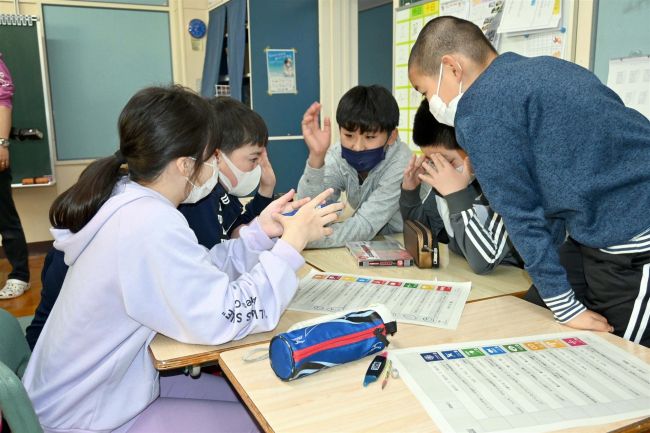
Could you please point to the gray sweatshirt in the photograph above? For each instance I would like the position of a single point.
(375, 201)
(475, 231)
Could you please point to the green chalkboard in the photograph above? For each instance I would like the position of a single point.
(19, 46)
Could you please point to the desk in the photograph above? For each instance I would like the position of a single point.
(336, 401)
(505, 280)
(169, 354)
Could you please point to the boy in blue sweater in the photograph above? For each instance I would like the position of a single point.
(243, 164)
(557, 153)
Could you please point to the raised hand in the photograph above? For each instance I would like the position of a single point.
(317, 139)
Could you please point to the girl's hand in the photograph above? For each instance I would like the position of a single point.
(308, 224)
(442, 176)
(270, 226)
(411, 179)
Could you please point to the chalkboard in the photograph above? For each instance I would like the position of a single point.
(22, 53)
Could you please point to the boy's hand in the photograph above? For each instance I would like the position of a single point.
(441, 175)
(267, 181)
(590, 321)
(411, 179)
(317, 139)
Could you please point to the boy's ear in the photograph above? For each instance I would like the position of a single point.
(452, 66)
(392, 137)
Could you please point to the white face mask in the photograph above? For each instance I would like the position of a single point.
(247, 181)
(199, 192)
(445, 113)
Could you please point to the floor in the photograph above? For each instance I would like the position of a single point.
(26, 304)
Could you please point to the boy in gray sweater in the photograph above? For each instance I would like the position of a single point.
(367, 163)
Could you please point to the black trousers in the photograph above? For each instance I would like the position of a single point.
(614, 285)
(13, 237)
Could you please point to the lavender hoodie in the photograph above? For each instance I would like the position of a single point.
(137, 269)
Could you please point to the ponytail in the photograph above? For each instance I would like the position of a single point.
(157, 126)
(76, 206)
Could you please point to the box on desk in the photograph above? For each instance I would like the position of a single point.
(388, 252)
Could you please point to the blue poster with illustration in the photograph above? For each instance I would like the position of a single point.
(281, 70)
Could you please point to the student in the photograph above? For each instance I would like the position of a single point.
(136, 269)
(556, 153)
(367, 164)
(455, 209)
(243, 139)
(243, 165)
(13, 236)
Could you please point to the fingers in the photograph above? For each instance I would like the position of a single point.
(279, 218)
(331, 208)
(427, 179)
(430, 169)
(329, 218)
(419, 160)
(467, 166)
(440, 161)
(286, 198)
(327, 125)
(328, 231)
(297, 204)
(322, 196)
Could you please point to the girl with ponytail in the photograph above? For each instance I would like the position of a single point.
(136, 269)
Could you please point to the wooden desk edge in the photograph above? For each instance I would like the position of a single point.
(252, 407)
(640, 426)
(198, 359)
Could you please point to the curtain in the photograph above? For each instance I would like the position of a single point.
(213, 50)
(236, 45)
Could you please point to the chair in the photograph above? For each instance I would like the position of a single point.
(15, 404)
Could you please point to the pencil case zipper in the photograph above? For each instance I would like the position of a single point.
(378, 331)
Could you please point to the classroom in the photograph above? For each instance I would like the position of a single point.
(324, 216)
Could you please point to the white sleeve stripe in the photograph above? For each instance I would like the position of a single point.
(494, 242)
(488, 251)
(571, 314)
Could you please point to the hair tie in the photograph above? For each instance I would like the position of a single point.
(118, 155)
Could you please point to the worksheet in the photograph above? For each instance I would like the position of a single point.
(432, 303)
(529, 384)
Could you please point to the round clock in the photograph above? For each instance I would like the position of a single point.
(197, 28)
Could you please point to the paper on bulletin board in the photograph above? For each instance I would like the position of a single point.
(527, 384)
(281, 71)
(630, 79)
(530, 16)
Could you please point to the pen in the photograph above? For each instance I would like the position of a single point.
(374, 369)
(389, 368)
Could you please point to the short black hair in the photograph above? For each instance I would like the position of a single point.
(368, 109)
(448, 35)
(427, 131)
(237, 124)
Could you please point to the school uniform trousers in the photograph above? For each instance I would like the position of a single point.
(611, 281)
(13, 237)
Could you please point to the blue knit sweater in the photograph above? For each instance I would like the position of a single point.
(556, 152)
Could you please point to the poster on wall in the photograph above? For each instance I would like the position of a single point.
(281, 70)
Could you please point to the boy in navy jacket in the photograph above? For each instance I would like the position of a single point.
(557, 153)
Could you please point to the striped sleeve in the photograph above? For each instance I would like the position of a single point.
(479, 232)
(565, 306)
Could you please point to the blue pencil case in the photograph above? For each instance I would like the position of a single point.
(328, 341)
